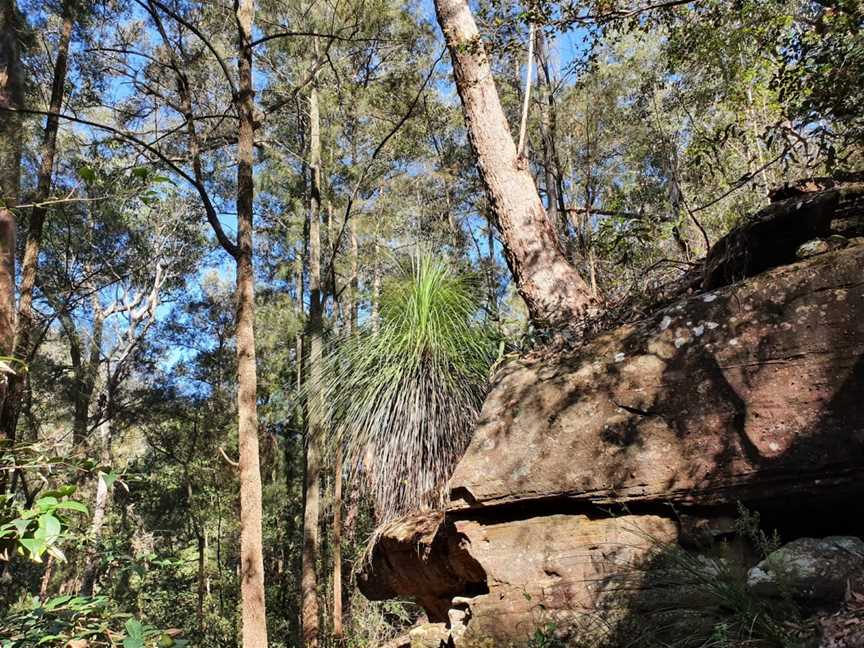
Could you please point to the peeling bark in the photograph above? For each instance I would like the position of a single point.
(11, 96)
(23, 329)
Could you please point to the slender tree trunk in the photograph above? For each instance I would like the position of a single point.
(24, 326)
(376, 287)
(100, 506)
(548, 123)
(298, 305)
(553, 291)
(84, 370)
(251, 543)
(353, 311)
(46, 578)
(338, 631)
(202, 579)
(355, 276)
(311, 530)
(11, 96)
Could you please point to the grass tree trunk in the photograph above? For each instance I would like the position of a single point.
(251, 542)
(11, 97)
(552, 289)
(24, 326)
(312, 509)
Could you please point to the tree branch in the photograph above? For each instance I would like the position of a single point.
(209, 210)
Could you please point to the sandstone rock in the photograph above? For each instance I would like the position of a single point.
(749, 391)
(402, 641)
(771, 237)
(422, 556)
(810, 569)
(430, 635)
(557, 567)
(812, 248)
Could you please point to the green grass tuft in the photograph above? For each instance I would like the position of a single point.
(402, 399)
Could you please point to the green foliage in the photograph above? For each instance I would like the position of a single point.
(545, 637)
(39, 529)
(402, 398)
(822, 78)
(64, 619)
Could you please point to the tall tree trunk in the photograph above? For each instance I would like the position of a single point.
(376, 286)
(24, 326)
(311, 514)
(84, 370)
(11, 97)
(552, 289)
(548, 123)
(353, 309)
(298, 305)
(251, 543)
(338, 631)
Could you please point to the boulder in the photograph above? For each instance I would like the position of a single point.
(772, 236)
(429, 635)
(748, 391)
(811, 570)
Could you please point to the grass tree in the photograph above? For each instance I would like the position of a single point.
(402, 397)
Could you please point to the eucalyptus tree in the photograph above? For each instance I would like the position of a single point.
(182, 33)
(24, 324)
(11, 97)
(553, 290)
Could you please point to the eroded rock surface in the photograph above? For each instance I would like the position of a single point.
(752, 389)
(747, 392)
(815, 570)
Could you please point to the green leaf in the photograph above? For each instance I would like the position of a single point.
(21, 526)
(57, 601)
(134, 628)
(46, 503)
(108, 478)
(72, 505)
(35, 546)
(87, 174)
(49, 528)
(63, 491)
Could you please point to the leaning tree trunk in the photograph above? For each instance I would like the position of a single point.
(312, 511)
(553, 291)
(251, 542)
(23, 330)
(11, 98)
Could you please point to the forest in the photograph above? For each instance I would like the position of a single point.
(300, 299)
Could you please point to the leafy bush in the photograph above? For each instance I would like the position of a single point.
(40, 529)
(78, 621)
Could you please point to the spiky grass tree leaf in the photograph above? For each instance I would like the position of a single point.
(402, 400)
